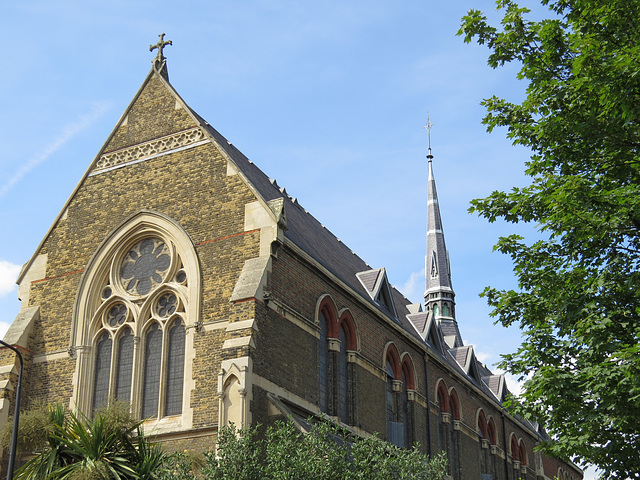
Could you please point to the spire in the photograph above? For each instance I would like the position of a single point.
(439, 295)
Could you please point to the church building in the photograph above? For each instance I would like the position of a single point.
(181, 279)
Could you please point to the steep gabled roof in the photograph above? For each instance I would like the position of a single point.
(496, 385)
(313, 237)
(377, 286)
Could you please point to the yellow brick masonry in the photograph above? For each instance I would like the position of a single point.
(190, 186)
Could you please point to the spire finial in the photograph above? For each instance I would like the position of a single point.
(160, 46)
(428, 128)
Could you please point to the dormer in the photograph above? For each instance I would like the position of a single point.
(377, 286)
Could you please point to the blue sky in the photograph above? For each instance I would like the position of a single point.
(328, 97)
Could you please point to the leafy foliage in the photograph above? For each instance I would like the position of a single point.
(579, 298)
(108, 446)
(283, 454)
(111, 446)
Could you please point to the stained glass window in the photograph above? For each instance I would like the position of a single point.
(125, 366)
(102, 371)
(323, 364)
(152, 361)
(146, 302)
(175, 369)
(144, 266)
(343, 390)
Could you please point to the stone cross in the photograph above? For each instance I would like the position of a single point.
(160, 46)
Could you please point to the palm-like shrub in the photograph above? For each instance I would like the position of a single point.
(110, 445)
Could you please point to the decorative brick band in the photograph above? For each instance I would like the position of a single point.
(57, 276)
(144, 151)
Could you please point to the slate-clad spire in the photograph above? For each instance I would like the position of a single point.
(438, 274)
(439, 296)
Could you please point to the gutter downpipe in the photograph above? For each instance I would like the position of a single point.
(504, 443)
(16, 415)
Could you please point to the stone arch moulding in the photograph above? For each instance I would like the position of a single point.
(102, 281)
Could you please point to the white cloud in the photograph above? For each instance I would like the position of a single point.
(8, 275)
(4, 326)
(514, 386)
(413, 288)
(482, 356)
(68, 132)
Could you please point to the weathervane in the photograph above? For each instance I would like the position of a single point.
(160, 46)
(428, 129)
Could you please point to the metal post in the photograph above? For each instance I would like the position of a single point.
(16, 416)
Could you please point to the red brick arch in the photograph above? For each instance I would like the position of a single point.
(454, 404)
(391, 356)
(442, 395)
(491, 431)
(348, 325)
(409, 371)
(327, 307)
(483, 429)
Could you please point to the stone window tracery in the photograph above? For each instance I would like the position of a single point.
(132, 329)
(140, 326)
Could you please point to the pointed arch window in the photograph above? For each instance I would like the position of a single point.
(343, 378)
(454, 437)
(323, 363)
(143, 297)
(395, 419)
(136, 298)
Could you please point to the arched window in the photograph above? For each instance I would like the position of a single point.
(142, 295)
(102, 370)
(327, 324)
(136, 297)
(408, 385)
(491, 429)
(343, 379)
(487, 463)
(395, 423)
(404, 413)
(323, 364)
(515, 457)
(444, 417)
(391, 404)
(345, 370)
(454, 427)
(523, 454)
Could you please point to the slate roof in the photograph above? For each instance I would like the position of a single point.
(310, 235)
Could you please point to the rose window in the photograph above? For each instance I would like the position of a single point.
(145, 266)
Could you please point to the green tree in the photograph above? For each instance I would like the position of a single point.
(110, 445)
(282, 453)
(578, 301)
